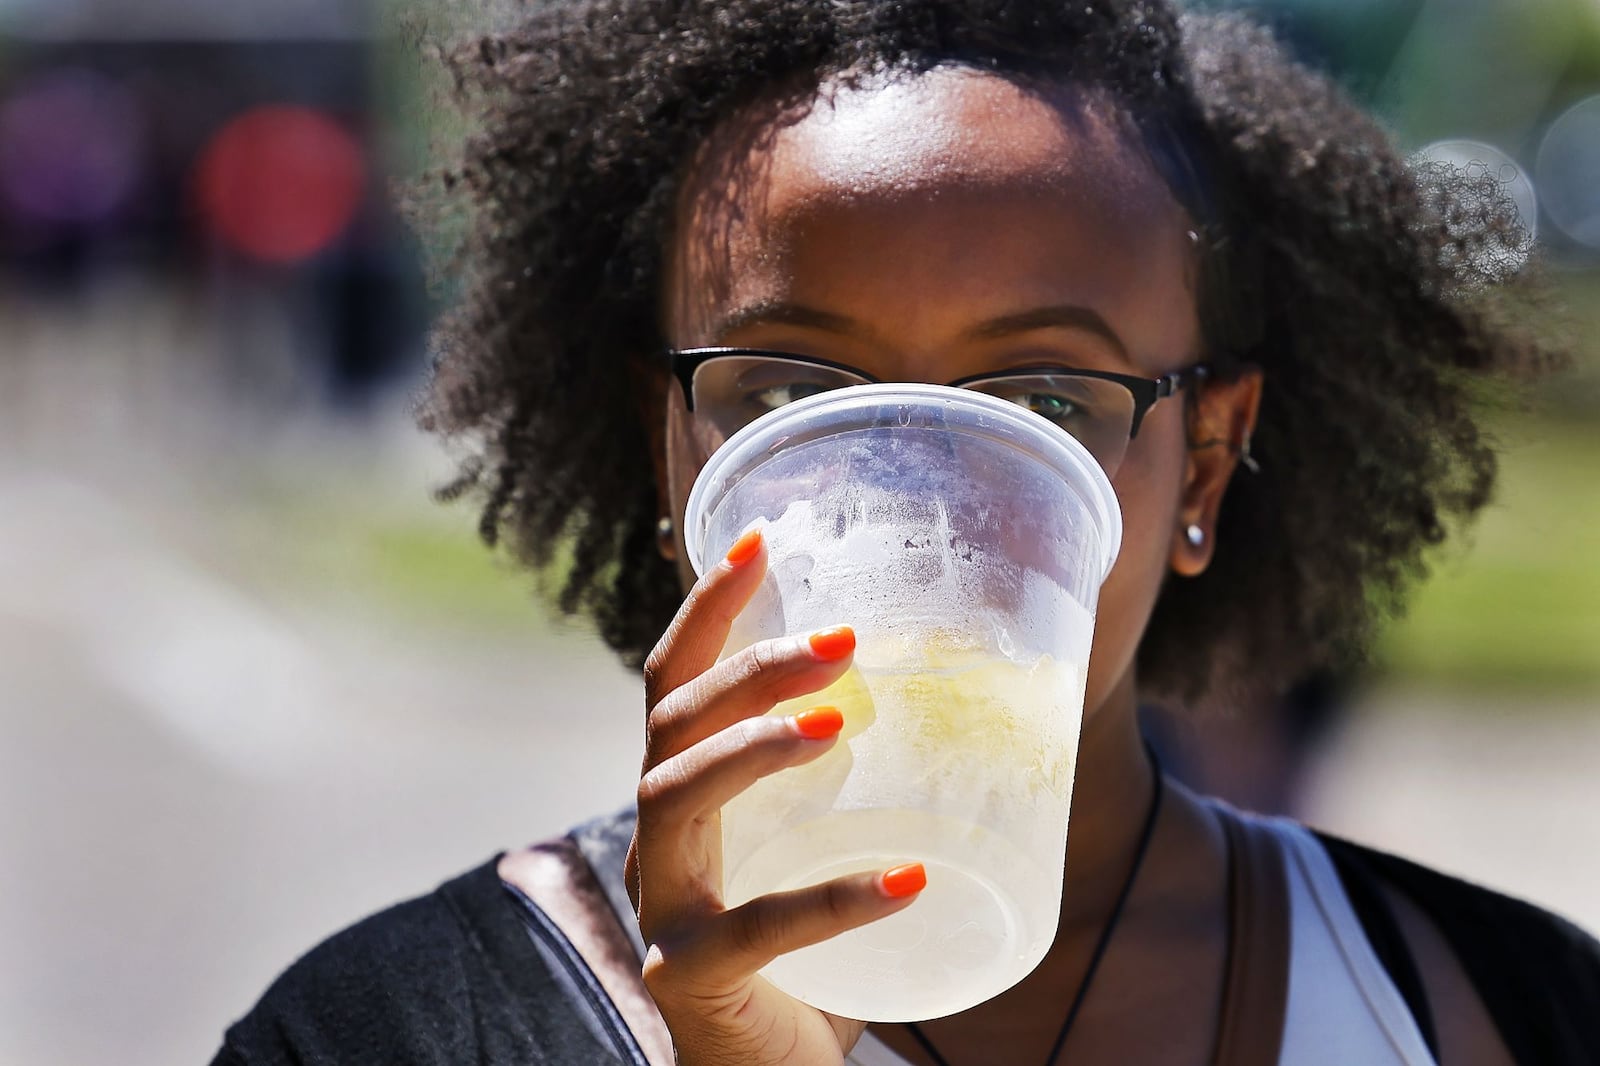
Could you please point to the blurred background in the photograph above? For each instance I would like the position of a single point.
(254, 684)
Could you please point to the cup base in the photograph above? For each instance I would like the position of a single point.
(984, 922)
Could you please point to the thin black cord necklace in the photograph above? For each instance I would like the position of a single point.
(1105, 932)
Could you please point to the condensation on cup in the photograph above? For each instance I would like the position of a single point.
(965, 540)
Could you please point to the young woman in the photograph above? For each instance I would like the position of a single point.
(942, 191)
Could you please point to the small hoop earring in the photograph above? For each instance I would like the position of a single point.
(1195, 535)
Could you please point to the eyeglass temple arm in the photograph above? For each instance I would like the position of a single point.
(1165, 386)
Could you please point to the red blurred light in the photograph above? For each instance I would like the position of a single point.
(280, 183)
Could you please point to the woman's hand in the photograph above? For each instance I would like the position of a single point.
(708, 738)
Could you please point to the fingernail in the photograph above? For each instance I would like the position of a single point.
(745, 548)
(818, 723)
(833, 643)
(903, 881)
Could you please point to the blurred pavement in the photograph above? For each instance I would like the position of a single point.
(198, 783)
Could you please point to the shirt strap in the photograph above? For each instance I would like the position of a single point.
(1256, 989)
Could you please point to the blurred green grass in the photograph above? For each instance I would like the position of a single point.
(1515, 604)
(446, 573)
(358, 550)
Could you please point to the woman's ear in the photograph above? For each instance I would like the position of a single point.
(1221, 418)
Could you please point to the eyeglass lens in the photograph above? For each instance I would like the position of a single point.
(732, 391)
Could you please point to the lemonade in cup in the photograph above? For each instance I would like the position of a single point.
(965, 539)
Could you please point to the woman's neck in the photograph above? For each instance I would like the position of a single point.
(1110, 798)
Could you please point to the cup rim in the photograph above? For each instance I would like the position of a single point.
(753, 445)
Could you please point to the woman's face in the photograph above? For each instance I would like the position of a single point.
(949, 224)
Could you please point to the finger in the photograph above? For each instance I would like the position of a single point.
(737, 943)
(700, 628)
(697, 782)
(744, 685)
(678, 845)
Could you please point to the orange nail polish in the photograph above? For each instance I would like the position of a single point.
(819, 723)
(833, 643)
(903, 881)
(745, 548)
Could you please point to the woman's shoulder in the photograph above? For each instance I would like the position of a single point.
(453, 975)
(395, 986)
(367, 985)
(1492, 966)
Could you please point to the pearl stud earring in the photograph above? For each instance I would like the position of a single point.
(1196, 536)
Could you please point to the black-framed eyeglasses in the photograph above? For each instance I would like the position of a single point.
(728, 388)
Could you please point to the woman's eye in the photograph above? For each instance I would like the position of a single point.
(1052, 405)
(772, 397)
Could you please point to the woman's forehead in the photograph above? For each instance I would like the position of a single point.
(907, 144)
(899, 134)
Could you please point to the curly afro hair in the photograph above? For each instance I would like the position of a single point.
(1361, 286)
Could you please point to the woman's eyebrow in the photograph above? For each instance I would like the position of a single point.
(1067, 316)
(787, 314)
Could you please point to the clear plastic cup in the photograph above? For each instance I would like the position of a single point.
(965, 539)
